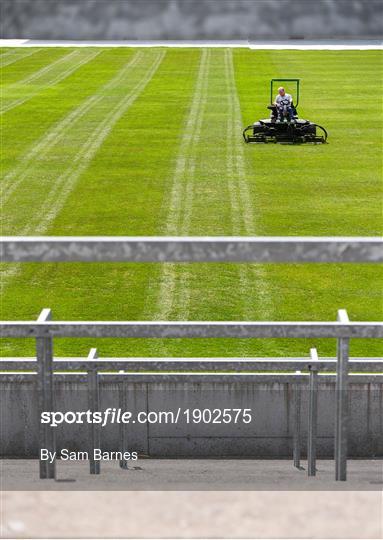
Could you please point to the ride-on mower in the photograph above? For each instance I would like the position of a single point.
(283, 127)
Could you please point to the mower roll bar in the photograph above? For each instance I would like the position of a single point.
(324, 131)
(296, 81)
(246, 129)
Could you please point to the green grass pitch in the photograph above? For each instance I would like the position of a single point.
(148, 142)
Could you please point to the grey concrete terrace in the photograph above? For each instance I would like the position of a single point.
(271, 397)
(194, 378)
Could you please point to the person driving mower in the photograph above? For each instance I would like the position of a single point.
(284, 105)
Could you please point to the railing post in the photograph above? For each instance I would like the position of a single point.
(341, 396)
(44, 357)
(94, 405)
(313, 415)
(123, 399)
(297, 424)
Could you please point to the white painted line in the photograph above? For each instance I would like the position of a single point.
(298, 44)
(313, 45)
(130, 43)
(13, 42)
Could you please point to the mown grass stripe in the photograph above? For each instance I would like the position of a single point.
(40, 73)
(20, 173)
(26, 125)
(176, 281)
(44, 78)
(43, 152)
(185, 159)
(252, 277)
(180, 206)
(62, 186)
(11, 57)
(241, 221)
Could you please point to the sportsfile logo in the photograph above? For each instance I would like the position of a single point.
(118, 416)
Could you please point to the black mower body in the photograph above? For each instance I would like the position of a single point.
(270, 130)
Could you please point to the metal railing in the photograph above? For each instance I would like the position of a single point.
(193, 370)
(191, 249)
(209, 249)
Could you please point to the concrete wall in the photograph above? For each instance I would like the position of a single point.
(187, 19)
(268, 436)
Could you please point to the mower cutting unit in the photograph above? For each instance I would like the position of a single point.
(280, 128)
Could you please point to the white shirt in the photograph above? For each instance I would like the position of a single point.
(280, 100)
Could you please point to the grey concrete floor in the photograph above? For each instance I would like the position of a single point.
(250, 500)
(193, 474)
